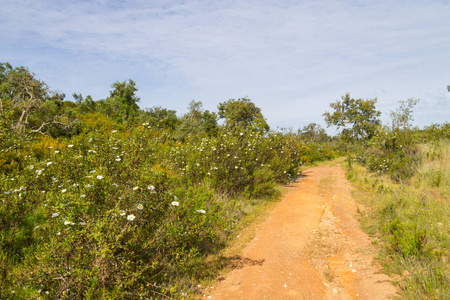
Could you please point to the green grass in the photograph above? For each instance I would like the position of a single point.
(410, 219)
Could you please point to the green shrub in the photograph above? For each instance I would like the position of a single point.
(126, 215)
(388, 152)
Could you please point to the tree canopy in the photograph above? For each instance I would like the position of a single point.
(242, 113)
(357, 118)
(123, 99)
(28, 103)
(198, 121)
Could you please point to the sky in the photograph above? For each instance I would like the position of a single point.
(291, 58)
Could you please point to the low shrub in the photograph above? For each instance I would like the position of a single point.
(410, 218)
(127, 215)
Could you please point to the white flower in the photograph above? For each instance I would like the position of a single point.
(175, 203)
(151, 187)
(114, 131)
(31, 167)
(58, 233)
(69, 223)
(36, 227)
(118, 159)
(54, 215)
(70, 146)
(140, 206)
(130, 217)
(49, 163)
(99, 177)
(202, 211)
(122, 213)
(135, 188)
(63, 191)
(56, 151)
(82, 195)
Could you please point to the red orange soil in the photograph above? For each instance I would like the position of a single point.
(309, 247)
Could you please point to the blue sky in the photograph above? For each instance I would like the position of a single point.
(292, 58)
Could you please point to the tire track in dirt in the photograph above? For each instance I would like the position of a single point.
(309, 247)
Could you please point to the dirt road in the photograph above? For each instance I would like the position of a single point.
(309, 247)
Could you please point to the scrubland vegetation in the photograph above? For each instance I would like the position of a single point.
(103, 200)
(408, 211)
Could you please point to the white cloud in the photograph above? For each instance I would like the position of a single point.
(291, 58)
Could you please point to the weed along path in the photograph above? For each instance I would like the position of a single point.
(309, 247)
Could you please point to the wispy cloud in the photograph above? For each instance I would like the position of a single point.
(292, 58)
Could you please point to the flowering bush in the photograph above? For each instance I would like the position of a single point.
(124, 215)
(389, 152)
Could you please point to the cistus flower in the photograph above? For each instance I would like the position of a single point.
(175, 203)
(140, 206)
(130, 217)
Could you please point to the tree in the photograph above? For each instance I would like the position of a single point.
(242, 113)
(85, 105)
(402, 116)
(161, 117)
(357, 118)
(123, 99)
(314, 133)
(21, 94)
(27, 103)
(198, 121)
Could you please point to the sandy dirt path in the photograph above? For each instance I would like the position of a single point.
(309, 247)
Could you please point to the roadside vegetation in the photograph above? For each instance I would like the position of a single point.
(103, 200)
(410, 215)
(402, 182)
(100, 199)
